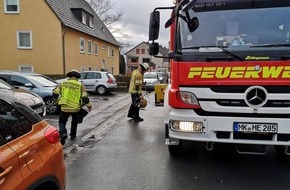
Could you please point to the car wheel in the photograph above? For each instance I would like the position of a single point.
(51, 106)
(102, 90)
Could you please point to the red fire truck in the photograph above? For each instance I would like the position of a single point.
(230, 73)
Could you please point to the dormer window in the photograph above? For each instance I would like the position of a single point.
(91, 22)
(87, 19)
(84, 17)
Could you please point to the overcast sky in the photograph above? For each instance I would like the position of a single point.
(136, 17)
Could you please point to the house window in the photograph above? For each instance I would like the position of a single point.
(89, 47)
(84, 16)
(82, 45)
(82, 69)
(137, 51)
(89, 68)
(109, 51)
(24, 68)
(91, 22)
(96, 49)
(112, 52)
(103, 64)
(134, 59)
(143, 51)
(24, 39)
(146, 60)
(11, 6)
(103, 46)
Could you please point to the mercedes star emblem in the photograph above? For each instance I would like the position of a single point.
(256, 96)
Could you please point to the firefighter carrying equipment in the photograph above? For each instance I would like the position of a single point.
(140, 102)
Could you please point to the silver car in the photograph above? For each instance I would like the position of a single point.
(29, 98)
(99, 82)
(150, 79)
(37, 83)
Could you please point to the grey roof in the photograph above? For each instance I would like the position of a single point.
(163, 50)
(62, 8)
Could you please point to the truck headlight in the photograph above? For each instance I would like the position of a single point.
(186, 126)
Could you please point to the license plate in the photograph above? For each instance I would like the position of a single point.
(255, 127)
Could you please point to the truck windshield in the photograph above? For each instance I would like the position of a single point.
(235, 29)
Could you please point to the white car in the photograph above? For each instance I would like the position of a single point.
(100, 82)
(150, 79)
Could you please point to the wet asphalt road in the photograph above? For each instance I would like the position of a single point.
(125, 155)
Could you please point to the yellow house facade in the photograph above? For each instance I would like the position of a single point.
(53, 37)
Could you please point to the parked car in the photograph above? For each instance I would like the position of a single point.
(31, 155)
(29, 98)
(100, 82)
(162, 77)
(150, 79)
(37, 83)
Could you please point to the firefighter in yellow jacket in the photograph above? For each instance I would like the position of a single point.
(71, 95)
(135, 89)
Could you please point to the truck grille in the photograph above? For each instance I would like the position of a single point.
(227, 97)
(252, 136)
(241, 103)
(242, 89)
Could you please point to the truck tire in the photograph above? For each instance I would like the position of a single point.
(280, 153)
(175, 150)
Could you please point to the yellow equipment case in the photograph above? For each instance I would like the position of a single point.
(159, 94)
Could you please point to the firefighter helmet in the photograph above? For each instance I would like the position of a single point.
(144, 67)
(73, 73)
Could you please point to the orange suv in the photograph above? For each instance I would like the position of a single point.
(31, 156)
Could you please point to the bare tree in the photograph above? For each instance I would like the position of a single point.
(111, 19)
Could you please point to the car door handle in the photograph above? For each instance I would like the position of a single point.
(5, 172)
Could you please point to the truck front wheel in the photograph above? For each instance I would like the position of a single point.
(282, 152)
(175, 150)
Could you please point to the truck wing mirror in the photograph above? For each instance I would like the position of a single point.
(154, 24)
(193, 24)
(153, 48)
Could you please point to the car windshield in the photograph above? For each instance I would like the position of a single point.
(160, 74)
(5, 85)
(43, 81)
(150, 76)
(242, 27)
